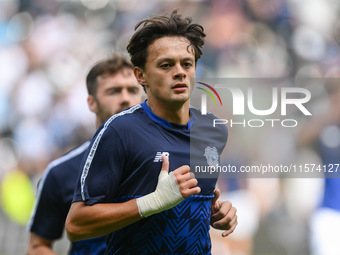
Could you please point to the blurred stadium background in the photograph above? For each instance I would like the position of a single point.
(47, 47)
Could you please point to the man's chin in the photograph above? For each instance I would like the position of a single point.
(178, 103)
(181, 99)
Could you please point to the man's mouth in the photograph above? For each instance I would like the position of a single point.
(180, 87)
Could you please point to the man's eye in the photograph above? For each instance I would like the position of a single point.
(165, 65)
(113, 91)
(133, 91)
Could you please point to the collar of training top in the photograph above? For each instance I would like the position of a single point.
(164, 122)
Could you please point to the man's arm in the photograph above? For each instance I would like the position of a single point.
(84, 221)
(223, 215)
(47, 221)
(39, 246)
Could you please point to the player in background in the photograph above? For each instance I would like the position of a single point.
(136, 185)
(112, 87)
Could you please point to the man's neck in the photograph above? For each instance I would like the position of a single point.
(178, 114)
(98, 123)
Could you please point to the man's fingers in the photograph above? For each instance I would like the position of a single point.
(182, 170)
(186, 181)
(189, 192)
(196, 190)
(185, 177)
(225, 208)
(227, 221)
(165, 165)
(217, 193)
(188, 184)
(231, 230)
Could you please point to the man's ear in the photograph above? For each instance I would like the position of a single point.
(92, 103)
(140, 75)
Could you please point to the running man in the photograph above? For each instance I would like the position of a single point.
(112, 87)
(136, 185)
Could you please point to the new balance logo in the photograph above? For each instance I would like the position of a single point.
(158, 157)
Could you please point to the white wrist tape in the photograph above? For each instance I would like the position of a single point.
(166, 196)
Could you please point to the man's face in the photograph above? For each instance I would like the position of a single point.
(115, 93)
(169, 71)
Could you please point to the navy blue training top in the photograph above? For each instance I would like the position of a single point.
(53, 201)
(123, 162)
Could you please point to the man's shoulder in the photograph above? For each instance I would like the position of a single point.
(206, 124)
(126, 118)
(69, 160)
(207, 117)
(198, 113)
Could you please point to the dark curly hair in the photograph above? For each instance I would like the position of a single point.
(160, 26)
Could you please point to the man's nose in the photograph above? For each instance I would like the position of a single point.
(179, 72)
(126, 98)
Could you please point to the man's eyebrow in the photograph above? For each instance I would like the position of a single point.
(164, 59)
(189, 59)
(115, 88)
(171, 59)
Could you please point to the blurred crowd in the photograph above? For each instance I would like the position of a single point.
(48, 46)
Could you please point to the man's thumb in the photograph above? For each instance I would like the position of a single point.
(217, 193)
(165, 165)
